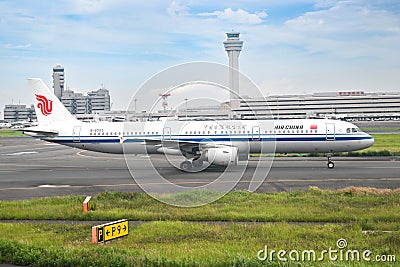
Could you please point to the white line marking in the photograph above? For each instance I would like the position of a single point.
(20, 153)
(53, 186)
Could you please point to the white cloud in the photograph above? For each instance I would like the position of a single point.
(345, 17)
(21, 46)
(239, 16)
(177, 9)
(91, 6)
(348, 29)
(127, 41)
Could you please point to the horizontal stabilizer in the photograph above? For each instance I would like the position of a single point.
(33, 131)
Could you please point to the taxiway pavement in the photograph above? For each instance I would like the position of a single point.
(31, 168)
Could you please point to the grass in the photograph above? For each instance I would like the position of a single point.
(385, 145)
(374, 209)
(389, 142)
(179, 237)
(182, 244)
(314, 205)
(372, 129)
(10, 133)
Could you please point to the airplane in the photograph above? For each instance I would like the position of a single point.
(217, 142)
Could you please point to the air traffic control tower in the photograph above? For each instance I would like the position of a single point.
(233, 46)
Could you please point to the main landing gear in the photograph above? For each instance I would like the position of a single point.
(189, 165)
(186, 165)
(330, 163)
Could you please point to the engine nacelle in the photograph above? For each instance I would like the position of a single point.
(222, 155)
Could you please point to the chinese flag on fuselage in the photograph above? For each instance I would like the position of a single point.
(313, 127)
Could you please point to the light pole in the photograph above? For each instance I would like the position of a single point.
(186, 100)
(135, 104)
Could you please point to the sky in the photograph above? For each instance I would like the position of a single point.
(290, 47)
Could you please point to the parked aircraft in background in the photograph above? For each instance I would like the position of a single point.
(4, 124)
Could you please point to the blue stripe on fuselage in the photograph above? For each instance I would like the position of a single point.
(211, 138)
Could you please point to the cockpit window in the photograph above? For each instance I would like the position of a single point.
(353, 130)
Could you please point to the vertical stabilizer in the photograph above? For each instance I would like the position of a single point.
(48, 107)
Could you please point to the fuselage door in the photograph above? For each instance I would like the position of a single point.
(330, 131)
(167, 133)
(256, 133)
(76, 134)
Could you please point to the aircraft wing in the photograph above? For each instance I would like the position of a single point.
(177, 143)
(174, 146)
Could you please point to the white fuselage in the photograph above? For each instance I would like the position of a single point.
(250, 136)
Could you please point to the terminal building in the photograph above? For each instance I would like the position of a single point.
(19, 112)
(350, 106)
(78, 103)
(92, 103)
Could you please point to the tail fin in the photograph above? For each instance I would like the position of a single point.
(48, 107)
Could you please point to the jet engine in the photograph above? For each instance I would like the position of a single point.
(222, 155)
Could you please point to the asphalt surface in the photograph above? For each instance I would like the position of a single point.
(31, 168)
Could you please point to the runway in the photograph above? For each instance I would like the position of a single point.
(31, 168)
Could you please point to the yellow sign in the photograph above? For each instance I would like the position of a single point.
(109, 231)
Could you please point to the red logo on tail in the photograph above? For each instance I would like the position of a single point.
(45, 105)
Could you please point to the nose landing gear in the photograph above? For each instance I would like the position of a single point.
(330, 163)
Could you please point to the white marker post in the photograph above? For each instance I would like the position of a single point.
(87, 204)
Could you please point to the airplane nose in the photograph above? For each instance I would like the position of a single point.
(369, 141)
